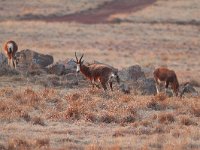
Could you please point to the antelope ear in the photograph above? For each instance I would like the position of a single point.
(82, 61)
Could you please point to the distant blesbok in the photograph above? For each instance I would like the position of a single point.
(10, 49)
(98, 72)
(168, 77)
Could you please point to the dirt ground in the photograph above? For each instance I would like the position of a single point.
(148, 33)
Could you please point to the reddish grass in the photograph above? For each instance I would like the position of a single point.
(185, 120)
(28, 97)
(140, 115)
(91, 117)
(160, 97)
(5, 92)
(78, 117)
(156, 105)
(195, 110)
(26, 116)
(160, 129)
(38, 121)
(107, 117)
(166, 118)
(195, 83)
(23, 143)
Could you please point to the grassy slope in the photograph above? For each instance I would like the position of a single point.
(37, 117)
(90, 118)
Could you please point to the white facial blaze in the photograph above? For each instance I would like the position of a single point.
(78, 68)
(112, 75)
(111, 78)
(10, 47)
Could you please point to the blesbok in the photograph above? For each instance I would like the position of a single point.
(97, 72)
(10, 49)
(168, 77)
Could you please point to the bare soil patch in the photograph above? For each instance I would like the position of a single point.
(96, 15)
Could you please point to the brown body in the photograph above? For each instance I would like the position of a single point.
(10, 49)
(168, 76)
(98, 72)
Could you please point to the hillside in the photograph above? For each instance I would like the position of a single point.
(51, 112)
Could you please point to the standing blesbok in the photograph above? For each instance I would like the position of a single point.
(10, 49)
(97, 72)
(169, 77)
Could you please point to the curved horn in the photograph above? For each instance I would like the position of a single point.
(76, 57)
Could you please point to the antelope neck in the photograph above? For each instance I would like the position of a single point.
(85, 70)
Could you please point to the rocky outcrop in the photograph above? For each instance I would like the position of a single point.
(28, 58)
(188, 89)
(147, 86)
(5, 69)
(132, 73)
(125, 88)
(70, 66)
(137, 80)
(57, 69)
(3, 59)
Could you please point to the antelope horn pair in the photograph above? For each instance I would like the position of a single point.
(77, 58)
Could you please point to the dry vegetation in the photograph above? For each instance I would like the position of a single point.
(90, 118)
(36, 114)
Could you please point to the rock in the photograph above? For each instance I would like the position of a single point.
(137, 81)
(125, 88)
(188, 89)
(147, 86)
(69, 64)
(58, 69)
(26, 58)
(131, 73)
(148, 71)
(35, 69)
(5, 69)
(3, 59)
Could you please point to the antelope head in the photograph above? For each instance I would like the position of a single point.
(79, 63)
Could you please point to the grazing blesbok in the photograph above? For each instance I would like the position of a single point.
(169, 77)
(10, 49)
(97, 72)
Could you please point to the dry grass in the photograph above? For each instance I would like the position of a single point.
(195, 110)
(195, 83)
(67, 115)
(185, 120)
(166, 118)
(26, 116)
(38, 121)
(19, 143)
(91, 110)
